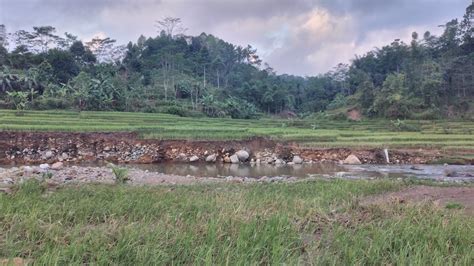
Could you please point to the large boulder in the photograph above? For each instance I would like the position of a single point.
(234, 158)
(351, 159)
(211, 158)
(193, 159)
(297, 160)
(243, 155)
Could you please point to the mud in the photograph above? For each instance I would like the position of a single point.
(439, 196)
(123, 147)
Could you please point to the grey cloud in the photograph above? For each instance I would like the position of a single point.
(275, 27)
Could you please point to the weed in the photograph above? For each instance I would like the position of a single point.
(121, 175)
(454, 206)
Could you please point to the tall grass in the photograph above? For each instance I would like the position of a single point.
(226, 224)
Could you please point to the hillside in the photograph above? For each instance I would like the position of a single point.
(429, 78)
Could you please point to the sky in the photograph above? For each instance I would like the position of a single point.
(300, 37)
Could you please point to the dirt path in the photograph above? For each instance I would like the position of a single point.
(440, 196)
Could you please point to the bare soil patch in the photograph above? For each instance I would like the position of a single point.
(440, 196)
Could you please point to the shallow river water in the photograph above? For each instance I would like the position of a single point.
(438, 172)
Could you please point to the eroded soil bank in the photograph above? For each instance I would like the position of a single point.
(50, 147)
(445, 197)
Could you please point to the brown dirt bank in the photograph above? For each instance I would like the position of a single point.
(439, 196)
(122, 147)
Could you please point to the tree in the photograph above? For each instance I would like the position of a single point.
(3, 36)
(172, 27)
(39, 40)
(82, 54)
(105, 50)
(63, 64)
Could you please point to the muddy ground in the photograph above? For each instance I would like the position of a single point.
(461, 198)
(120, 147)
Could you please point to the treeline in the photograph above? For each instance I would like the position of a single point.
(431, 77)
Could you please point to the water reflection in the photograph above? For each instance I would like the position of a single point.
(243, 170)
(463, 172)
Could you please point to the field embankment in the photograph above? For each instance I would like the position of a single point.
(50, 147)
(47, 136)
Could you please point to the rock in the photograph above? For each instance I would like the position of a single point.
(44, 166)
(193, 158)
(242, 155)
(351, 159)
(107, 148)
(258, 161)
(451, 173)
(234, 158)
(57, 165)
(297, 160)
(28, 169)
(279, 161)
(181, 157)
(211, 158)
(8, 181)
(227, 159)
(48, 154)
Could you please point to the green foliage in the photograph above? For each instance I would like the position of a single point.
(47, 175)
(31, 187)
(339, 101)
(400, 125)
(454, 206)
(19, 99)
(121, 175)
(431, 77)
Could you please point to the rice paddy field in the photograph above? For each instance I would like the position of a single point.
(306, 132)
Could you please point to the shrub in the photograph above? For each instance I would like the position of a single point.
(121, 175)
(400, 125)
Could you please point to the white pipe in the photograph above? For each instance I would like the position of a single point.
(385, 153)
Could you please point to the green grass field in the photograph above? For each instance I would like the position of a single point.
(312, 222)
(313, 133)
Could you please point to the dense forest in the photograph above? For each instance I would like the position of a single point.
(431, 77)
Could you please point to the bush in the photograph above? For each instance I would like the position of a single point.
(47, 103)
(121, 175)
(181, 111)
(400, 125)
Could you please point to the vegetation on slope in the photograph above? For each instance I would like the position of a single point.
(190, 75)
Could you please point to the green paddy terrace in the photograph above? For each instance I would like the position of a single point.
(307, 132)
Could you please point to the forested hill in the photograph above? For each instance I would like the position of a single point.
(430, 77)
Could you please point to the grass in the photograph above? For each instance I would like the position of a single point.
(317, 222)
(457, 135)
(121, 174)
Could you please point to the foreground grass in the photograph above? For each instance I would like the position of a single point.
(308, 222)
(313, 133)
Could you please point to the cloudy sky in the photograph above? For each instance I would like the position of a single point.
(303, 37)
